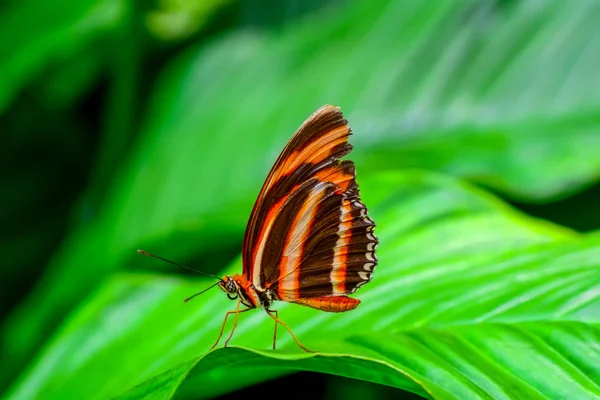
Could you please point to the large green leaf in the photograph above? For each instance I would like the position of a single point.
(35, 34)
(499, 94)
(469, 295)
(538, 360)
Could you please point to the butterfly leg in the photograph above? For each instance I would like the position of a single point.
(235, 321)
(275, 330)
(236, 312)
(278, 321)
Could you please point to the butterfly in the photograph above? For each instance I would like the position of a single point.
(309, 239)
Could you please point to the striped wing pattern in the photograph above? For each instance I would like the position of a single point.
(309, 235)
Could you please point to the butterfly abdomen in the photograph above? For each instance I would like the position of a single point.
(330, 303)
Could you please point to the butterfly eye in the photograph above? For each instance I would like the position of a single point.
(230, 287)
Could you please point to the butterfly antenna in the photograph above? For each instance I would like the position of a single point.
(199, 293)
(145, 253)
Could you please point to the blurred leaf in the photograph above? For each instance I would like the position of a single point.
(454, 86)
(579, 212)
(39, 189)
(177, 19)
(38, 33)
(468, 296)
(62, 86)
(502, 95)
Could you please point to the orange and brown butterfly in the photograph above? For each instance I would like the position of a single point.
(309, 239)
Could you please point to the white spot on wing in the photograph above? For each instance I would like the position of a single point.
(359, 284)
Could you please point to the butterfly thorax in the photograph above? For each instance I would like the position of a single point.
(239, 286)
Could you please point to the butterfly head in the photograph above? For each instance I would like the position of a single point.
(229, 286)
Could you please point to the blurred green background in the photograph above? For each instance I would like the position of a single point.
(152, 124)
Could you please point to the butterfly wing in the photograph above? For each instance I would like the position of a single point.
(309, 235)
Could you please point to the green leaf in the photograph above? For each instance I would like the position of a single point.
(174, 20)
(501, 95)
(538, 360)
(38, 33)
(468, 296)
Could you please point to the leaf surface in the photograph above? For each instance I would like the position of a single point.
(469, 296)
